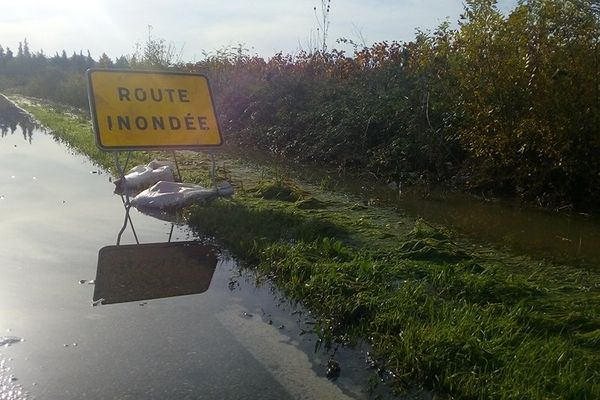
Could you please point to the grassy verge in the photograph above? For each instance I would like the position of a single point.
(465, 321)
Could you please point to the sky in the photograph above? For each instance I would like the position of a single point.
(193, 27)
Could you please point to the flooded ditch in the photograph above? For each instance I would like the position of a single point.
(231, 340)
(560, 236)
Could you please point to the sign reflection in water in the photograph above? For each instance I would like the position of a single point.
(151, 271)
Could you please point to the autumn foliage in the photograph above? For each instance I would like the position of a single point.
(505, 103)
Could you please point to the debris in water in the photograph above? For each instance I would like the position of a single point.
(281, 327)
(98, 302)
(233, 284)
(385, 375)
(6, 341)
(370, 361)
(333, 369)
(247, 315)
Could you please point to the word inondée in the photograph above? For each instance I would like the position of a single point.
(171, 122)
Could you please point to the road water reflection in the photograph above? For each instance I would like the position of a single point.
(153, 271)
(233, 340)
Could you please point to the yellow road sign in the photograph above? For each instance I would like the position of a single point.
(134, 110)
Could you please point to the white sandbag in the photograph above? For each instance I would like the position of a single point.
(143, 176)
(171, 195)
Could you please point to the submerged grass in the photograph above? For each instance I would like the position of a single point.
(468, 322)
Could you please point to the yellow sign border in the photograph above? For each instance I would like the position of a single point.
(148, 145)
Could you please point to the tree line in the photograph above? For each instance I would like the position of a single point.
(504, 102)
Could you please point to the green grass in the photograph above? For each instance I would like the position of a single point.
(465, 321)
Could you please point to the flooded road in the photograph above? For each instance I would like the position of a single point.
(233, 341)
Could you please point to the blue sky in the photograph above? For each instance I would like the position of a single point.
(193, 26)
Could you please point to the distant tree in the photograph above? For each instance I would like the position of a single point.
(90, 61)
(133, 61)
(26, 52)
(155, 54)
(121, 62)
(55, 59)
(104, 61)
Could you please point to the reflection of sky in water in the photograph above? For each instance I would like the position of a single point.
(10, 388)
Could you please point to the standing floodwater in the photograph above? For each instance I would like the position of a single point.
(232, 341)
(563, 237)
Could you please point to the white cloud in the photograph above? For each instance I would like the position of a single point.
(268, 26)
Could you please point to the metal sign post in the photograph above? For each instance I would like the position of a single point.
(143, 110)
